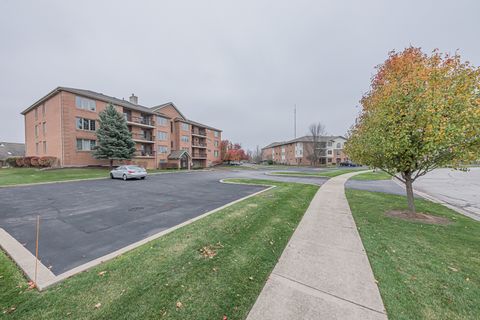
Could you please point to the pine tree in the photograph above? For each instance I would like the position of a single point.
(114, 141)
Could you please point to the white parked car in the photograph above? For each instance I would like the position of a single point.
(128, 172)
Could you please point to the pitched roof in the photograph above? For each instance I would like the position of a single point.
(177, 154)
(164, 105)
(92, 95)
(303, 139)
(198, 124)
(10, 149)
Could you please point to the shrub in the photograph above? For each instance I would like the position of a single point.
(20, 161)
(12, 161)
(34, 162)
(46, 162)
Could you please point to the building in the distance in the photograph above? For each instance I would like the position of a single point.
(298, 151)
(62, 124)
(9, 150)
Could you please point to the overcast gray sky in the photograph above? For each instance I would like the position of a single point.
(236, 65)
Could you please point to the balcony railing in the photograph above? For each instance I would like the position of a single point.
(144, 153)
(143, 137)
(199, 132)
(196, 144)
(139, 120)
(199, 155)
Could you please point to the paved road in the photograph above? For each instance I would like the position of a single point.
(457, 188)
(84, 220)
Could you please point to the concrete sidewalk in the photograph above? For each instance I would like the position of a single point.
(324, 272)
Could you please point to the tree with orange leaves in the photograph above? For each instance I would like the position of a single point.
(422, 112)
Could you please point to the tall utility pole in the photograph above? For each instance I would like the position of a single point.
(295, 121)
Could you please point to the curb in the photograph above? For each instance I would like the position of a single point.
(446, 204)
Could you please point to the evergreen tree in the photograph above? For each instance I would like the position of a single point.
(114, 141)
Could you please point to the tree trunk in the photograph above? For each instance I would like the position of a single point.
(111, 164)
(409, 188)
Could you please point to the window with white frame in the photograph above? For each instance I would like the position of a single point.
(216, 134)
(44, 147)
(163, 149)
(215, 143)
(215, 153)
(36, 113)
(43, 110)
(86, 104)
(329, 152)
(85, 124)
(36, 131)
(161, 121)
(185, 139)
(85, 144)
(339, 145)
(185, 126)
(44, 128)
(329, 143)
(162, 136)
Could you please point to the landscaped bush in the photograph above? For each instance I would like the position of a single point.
(11, 162)
(47, 162)
(35, 162)
(19, 162)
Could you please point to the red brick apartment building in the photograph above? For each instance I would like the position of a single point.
(62, 124)
(298, 151)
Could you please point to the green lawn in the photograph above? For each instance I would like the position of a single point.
(329, 173)
(170, 278)
(14, 176)
(423, 271)
(377, 175)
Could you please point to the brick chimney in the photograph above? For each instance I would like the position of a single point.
(133, 99)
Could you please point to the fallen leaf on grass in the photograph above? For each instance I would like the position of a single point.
(250, 278)
(179, 305)
(98, 305)
(31, 285)
(102, 273)
(453, 269)
(9, 310)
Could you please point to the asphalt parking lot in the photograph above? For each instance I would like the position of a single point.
(84, 220)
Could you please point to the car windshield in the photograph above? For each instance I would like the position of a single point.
(134, 168)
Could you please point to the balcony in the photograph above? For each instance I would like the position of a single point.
(199, 132)
(143, 137)
(146, 122)
(199, 155)
(196, 144)
(144, 154)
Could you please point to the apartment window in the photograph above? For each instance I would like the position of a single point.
(162, 136)
(85, 144)
(171, 144)
(215, 134)
(44, 147)
(43, 110)
(329, 151)
(185, 148)
(171, 127)
(215, 153)
(185, 126)
(85, 124)
(86, 104)
(339, 145)
(36, 114)
(162, 121)
(36, 148)
(329, 143)
(162, 149)
(36, 131)
(44, 128)
(215, 143)
(185, 139)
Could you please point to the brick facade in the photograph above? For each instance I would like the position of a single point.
(298, 151)
(52, 129)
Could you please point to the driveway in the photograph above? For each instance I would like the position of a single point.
(457, 188)
(84, 220)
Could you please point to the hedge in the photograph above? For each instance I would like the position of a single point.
(32, 162)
